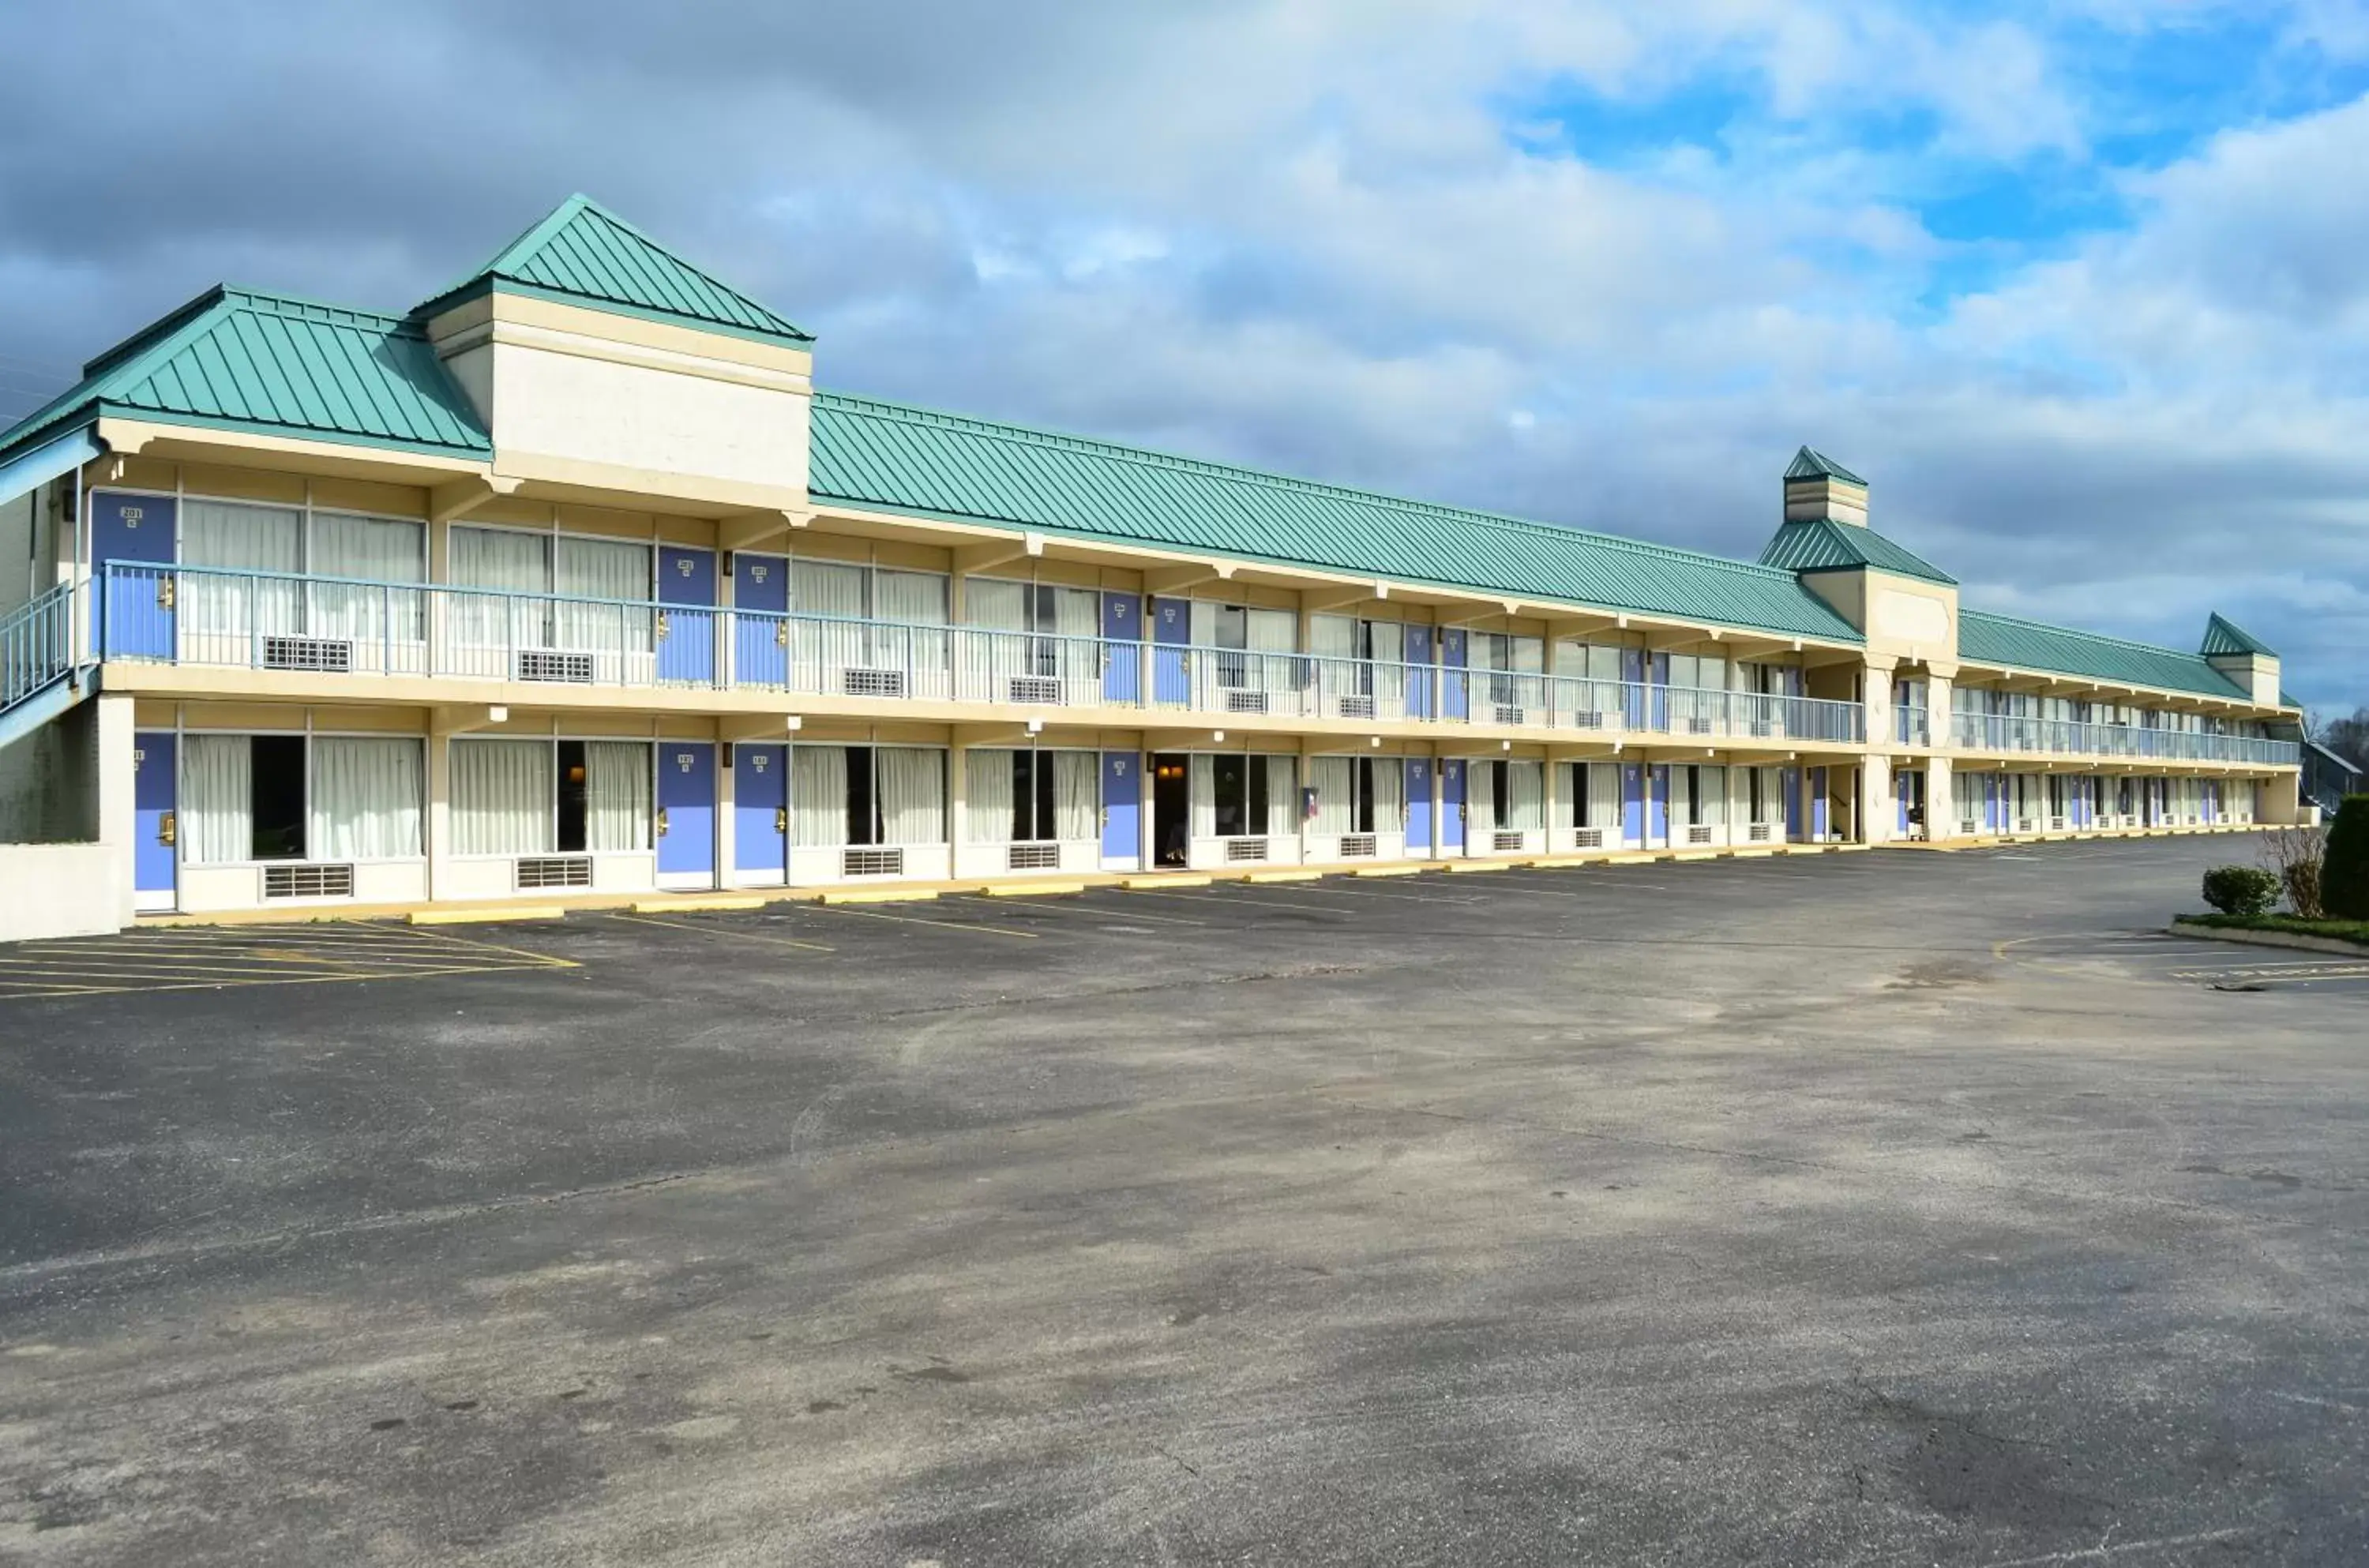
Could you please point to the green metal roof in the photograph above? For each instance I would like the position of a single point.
(242, 359)
(1822, 545)
(1811, 463)
(585, 254)
(2225, 636)
(888, 456)
(2029, 645)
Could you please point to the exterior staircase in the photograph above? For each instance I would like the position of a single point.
(39, 677)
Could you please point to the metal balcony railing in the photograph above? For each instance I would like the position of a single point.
(2002, 734)
(1909, 727)
(36, 645)
(347, 626)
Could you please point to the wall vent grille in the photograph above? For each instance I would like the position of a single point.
(872, 862)
(308, 653)
(308, 881)
(556, 871)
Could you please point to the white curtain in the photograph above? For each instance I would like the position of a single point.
(219, 609)
(216, 808)
(1603, 794)
(1713, 783)
(1390, 794)
(1204, 779)
(1332, 637)
(507, 562)
(1202, 623)
(819, 797)
(1076, 784)
(375, 549)
(602, 568)
(366, 798)
(911, 785)
(1077, 617)
(616, 794)
(501, 797)
(1001, 648)
(1273, 630)
(998, 605)
(987, 796)
(824, 648)
(1334, 778)
(1681, 800)
(912, 600)
(1282, 796)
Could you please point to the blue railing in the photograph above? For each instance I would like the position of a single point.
(274, 621)
(36, 645)
(2006, 734)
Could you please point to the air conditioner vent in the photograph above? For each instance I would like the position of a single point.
(1757, 832)
(872, 862)
(308, 881)
(1588, 837)
(308, 653)
(1359, 846)
(1511, 841)
(1033, 857)
(1245, 849)
(1699, 834)
(1593, 720)
(872, 682)
(1356, 707)
(1239, 701)
(1698, 726)
(1512, 712)
(556, 871)
(1036, 691)
(550, 664)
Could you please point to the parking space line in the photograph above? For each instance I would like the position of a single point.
(942, 925)
(723, 931)
(1244, 890)
(1091, 911)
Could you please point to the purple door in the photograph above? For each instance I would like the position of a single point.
(1817, 783)
(1123, 651)
(1657, 805)
(1451, 805)
(155, 862)
(761, 810)
(1633, 687)
(687, 809)
(761, 634)
(1418, 806)
(687, 626)
(1632, 804)
(1415, 649)
(1455, 686)
(1172, 628)
(1122, 811)
(135, 606)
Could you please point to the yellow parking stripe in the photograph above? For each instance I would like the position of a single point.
(725, 930)
(1101, 912)
(911, 919)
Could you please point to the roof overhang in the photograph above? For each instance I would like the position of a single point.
(60, 455)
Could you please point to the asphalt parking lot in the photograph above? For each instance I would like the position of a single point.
(1882, 1209)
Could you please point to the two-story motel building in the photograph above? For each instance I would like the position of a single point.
(568, 579)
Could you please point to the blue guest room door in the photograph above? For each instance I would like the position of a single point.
(154, 860)
(1451, 805)
(1657, 812)
(1455, 686)
(761, 813)
(761, 639)
(687, 813)
(1418, 805)
(1632, 804)
(1172, 628)
(1415, 648)
(135, 619)
(1122, 811)
(1122, 649)
(687, 587)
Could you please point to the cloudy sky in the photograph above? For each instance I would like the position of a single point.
(2081, 285)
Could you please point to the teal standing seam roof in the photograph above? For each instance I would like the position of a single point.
(2029, 644)
(239, 358)
(2225, 636)
(1823, 545)
(893, 457)
(582, 251)
(1811, 463)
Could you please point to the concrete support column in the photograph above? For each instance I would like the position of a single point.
(1878, 817)
(115, 807)
(957, 802)
(439, 822)
(726, 825)
(1548, 794)
(1940, 808)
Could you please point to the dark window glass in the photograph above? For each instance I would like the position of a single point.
(1257, 789)
(571, 797)
(1233, 775)
(862, 820)
(276, 795)
(1500, 788)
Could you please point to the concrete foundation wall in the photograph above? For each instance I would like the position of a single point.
(49, 782)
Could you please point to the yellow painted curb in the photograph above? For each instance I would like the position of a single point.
(1691, 854)
(1750, 851)
(695, 904)
(486, 917)
(1388, 871)
(1154, 884)
(1033, 890)
(1284, 876)
(1458, 868)
(881, 896)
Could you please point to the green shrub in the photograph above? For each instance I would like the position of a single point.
(2240, 889)
(2344, 872)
